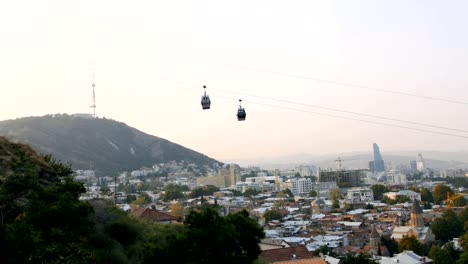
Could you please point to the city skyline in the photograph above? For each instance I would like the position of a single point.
(152, 60)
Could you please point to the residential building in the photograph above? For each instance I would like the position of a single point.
(300, 186)
(218, 181)
(343, 178)
(410, 194)
(360, 195)
(396, 178)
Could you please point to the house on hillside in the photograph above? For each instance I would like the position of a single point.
(152, 215)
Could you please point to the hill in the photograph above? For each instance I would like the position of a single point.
(106, 145)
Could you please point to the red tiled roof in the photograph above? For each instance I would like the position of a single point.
(303, 261)
(152, 215)
(284, 254)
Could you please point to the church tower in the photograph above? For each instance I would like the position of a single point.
(374, 239)
(416, 215)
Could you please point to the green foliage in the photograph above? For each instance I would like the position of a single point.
(173, 192)
(357, 259)
(391, 245)
(336, 204)
(313, 193)
(447, 227)
(250, 192)
(73, 142)
(379, 190)
(349, 207)
(211, 238)
(426, 195)
(440, 193)
(142, 200)
(464, 238)
(285, 194)
(273, 215)
(411, 243)
(203, 191)
(322, 249)
(334, 194)
(439, 255)
(42, 219)
(460, 202)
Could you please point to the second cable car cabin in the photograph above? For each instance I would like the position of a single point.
(241, 114)
(205, 100)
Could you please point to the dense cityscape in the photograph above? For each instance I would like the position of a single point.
(234, 132)
(391, 215)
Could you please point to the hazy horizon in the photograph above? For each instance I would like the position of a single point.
(151, 60)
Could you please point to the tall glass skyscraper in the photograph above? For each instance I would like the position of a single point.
(379, 165)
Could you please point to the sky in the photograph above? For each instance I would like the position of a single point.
(151, 59)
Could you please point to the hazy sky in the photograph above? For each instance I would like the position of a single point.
(151, 59)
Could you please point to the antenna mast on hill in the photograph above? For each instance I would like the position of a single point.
(94, 98)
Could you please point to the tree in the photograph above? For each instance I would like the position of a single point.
(334, 194)
(411, 243)
(322, 249)
(142, 200)
(391, 245)
(357, 259)
(426, 195)
(177, 210)
(173, 192)
(313, 193)
(250, 192)
(286, 193)
(447, 227)
(203, 191)
(42, 218)
(439, 255)
(348, 207)
(440, 193)
(211, 238)
(105, 191)
(460, 202)
(379, 190)
(272, 215)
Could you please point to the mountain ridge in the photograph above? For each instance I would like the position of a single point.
(106, 145)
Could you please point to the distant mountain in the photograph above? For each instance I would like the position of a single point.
(106, 145)
(352, 160)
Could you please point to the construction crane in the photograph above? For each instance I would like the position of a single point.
(450, 199)
(340, 162)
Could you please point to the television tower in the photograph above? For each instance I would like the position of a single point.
(94, 98)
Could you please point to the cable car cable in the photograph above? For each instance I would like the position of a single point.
(346, 111)
(355, 119)
(433, 98)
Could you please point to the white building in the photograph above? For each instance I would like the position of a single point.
(395, 177)
(453, 173)
(360, 195)
(420, 164)
(300, 186)
(410, 194)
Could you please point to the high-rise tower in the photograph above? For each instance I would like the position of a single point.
(420, 164)
(379, 165)
(94, 99)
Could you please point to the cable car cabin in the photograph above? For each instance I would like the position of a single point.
(241, 114)
(205, 100)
